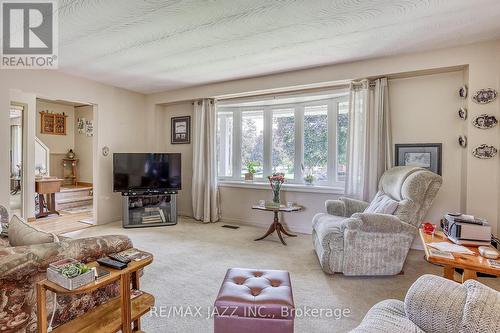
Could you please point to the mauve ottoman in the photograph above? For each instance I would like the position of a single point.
(254, 301)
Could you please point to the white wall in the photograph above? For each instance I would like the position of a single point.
(424, 110)
(83, 147)
(163, 130)
(122, 125)
(478, 179)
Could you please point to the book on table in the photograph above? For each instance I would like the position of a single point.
(134, 254)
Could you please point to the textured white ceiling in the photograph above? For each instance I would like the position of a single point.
(154, 45)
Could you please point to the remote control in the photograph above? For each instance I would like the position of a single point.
(119, 258)
(111, 263)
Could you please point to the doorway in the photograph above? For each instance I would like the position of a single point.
(16, 157)
(71, 150)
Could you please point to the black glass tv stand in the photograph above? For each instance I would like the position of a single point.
(149, 209)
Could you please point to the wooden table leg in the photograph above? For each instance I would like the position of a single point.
(41, 309)
(286, 232)
(278, 231)
(278, 227)
(52, 204)
(125, 302)
(41, 204)
(468, 275)
(136, 327)
(449, 273)
(271, 229)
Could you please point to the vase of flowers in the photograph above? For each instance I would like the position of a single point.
(276, 180)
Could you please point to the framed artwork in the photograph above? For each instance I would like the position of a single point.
(89, 127)
(53, 123)
(424, 155)
(181, 130)
(80, 125)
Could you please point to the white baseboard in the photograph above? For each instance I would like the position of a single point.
(111, 220)
(262, 224)
(184, 214)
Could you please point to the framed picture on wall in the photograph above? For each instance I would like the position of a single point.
(181, 130)
(424, 155)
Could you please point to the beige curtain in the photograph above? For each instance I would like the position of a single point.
(369, 151)
(204, 189)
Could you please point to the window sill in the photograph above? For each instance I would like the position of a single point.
(285, 187)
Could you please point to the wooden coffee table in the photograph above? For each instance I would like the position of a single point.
(115, 315)
(276, 225)
(471, 264)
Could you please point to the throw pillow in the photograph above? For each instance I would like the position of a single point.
(382, 204)
(21, 233)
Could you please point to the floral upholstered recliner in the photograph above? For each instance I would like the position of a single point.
(22, 266)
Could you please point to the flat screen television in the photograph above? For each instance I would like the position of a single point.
(146, 172)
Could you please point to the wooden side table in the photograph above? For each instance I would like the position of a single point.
(276, 225)
(471, 264)
(115, 315)
(49, 187)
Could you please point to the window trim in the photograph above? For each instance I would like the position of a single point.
(287, 187)
(299, 111)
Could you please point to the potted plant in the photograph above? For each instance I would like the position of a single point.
(308, 176)
(69, 273)
(251, 170)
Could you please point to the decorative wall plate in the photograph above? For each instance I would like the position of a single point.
(105, 151)
(462, 141)
(484, 151)
(484, 96)
(462, 92)
(462, 113)
(485, 121)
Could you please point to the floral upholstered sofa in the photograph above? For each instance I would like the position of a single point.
(22, 266)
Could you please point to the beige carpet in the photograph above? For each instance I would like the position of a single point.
(191, 260)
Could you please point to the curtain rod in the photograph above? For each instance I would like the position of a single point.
(371, 81)
(200, 101)
(282, 92)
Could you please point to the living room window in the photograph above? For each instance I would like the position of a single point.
(296, 135)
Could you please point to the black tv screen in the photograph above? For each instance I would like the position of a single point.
(146, 171)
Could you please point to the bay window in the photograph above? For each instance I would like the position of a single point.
(298, 136)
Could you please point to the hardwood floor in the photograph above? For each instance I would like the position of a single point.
(74, 203)
(64, 223)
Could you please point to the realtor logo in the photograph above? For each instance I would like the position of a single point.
(29, 34)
